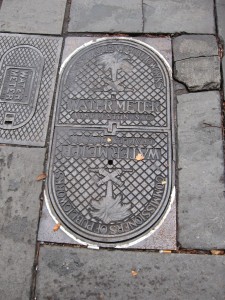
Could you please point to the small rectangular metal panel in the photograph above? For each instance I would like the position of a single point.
(28, 69)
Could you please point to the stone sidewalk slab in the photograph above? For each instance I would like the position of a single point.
(220, 10)
(19, 213)
(197, 64)
(31, 16)
(191, 46)
(106, 16)
(201, 218)
(198, 74)
(71, 273)
(223, 70)
(170, 16)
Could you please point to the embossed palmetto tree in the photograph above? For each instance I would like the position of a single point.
(108, 208)
(114, 62)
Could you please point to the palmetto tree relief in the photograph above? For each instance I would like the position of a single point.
(115, 62)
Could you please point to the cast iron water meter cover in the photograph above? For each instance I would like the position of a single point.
(110, 167)
(28, 67)
(20, 86)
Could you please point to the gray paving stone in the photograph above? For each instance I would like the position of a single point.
(169, 16)
(19, 212)
(106, 16)
(32, 16)
(70, 273)
(223, 70)
(179, 88)
(201, 73)
(220, 10)
(187, 46)
(201, 218)
(197, 64)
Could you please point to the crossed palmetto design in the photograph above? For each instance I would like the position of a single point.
(114, 62)
(110, 209)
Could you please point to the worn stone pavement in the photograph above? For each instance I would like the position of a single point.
(34, 268)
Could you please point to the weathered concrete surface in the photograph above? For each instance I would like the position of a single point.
(197, 64)
(106, 16)
(70, 273)
(201, 73)
(19, 212)
(32, 16)
(201, 206)
(187, 46)
(191, 16)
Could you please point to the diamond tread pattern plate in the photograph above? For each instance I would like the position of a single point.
(110, 167)
(28, 67)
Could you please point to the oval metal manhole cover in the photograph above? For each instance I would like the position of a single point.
(110, 167)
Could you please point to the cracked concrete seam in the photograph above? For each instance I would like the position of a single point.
(195, 57)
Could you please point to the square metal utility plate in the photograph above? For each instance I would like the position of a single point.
(28, 69)
(114, 104)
